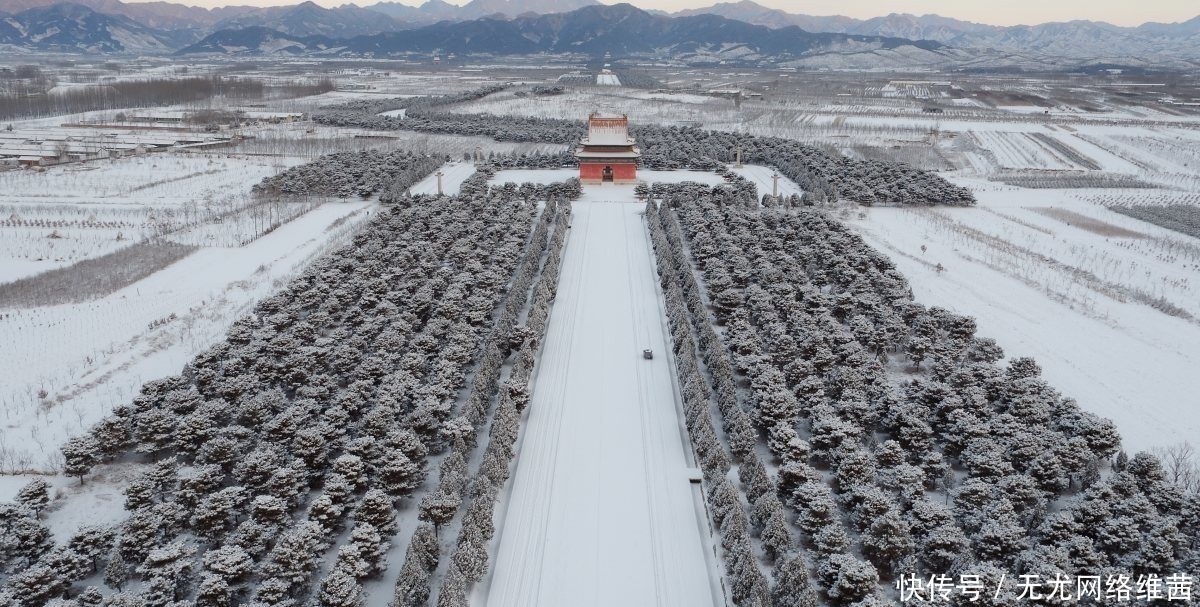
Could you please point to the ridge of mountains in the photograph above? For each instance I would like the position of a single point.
(742, 32)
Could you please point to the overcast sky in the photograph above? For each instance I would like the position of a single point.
(998, 12)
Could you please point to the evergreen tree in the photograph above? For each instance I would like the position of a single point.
(848, 579)
(79, 455)
(231, 562)
(438, 508)
(293, 559)
(116, 572)
(791, 584)
(887, 540)
(376, 509)
(370, 548)
(340, 589)
(92, 542)
(398, 475)
(213, 591)
(36, 585)
(34, 496)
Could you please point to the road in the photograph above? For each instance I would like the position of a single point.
(601, 511)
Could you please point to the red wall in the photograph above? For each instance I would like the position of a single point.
(622, 171)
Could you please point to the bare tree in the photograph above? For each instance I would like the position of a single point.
(1180, 464)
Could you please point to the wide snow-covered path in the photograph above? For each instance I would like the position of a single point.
(601, 510)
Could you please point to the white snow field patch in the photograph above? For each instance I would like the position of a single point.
(67, 366)
(100, 501)
(1071, 292)
(547, 176)
(601, 511)
(453, 176)
(761, 177)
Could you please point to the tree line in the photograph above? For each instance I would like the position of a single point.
(274, 464)
(819, 174)
(871, 405)
(38, 97)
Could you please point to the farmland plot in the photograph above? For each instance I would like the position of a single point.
(71, 212)
(1032, 151)
(1105, 303)
(310, 141)
(73, 363)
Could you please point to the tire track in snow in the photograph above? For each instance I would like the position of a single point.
(649, 454)
(532, 546)
(558, 396)
(579, 524)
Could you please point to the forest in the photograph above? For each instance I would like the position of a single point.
(276, 465)
(821, 176)
(898, 445)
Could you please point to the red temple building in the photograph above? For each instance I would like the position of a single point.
(608, 154)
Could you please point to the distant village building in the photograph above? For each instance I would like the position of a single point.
(608, 154)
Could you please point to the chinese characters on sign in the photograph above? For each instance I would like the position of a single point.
(1116, 587)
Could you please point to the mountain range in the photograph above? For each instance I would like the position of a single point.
(1073, 39)
(741, 31)
(433, 11)
(617, 30)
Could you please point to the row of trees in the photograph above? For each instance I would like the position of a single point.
(346, 174)
(868, 400)
(750, 507)
(37, 96)
(304, 430)
(469, 562)
(820, 175)
(440, 507)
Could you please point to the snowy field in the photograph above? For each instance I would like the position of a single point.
(601, 510)
(453, 175)
(1080, 288)
(68, 365)
(556, 175)
(72, 212)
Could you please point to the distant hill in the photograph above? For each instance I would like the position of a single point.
(757, 14)
(259, 41)
(160, 15)
(73, 28)
(434, 11)
(742, 31)
(1074, 40)
(619, 30)
(310, 19)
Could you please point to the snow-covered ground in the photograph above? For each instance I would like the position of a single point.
(1070, 283)
(556, 175)
(100, 501)
(453, 175)
(64, 367)
(71, 212)
(601, 511)
(762, 178)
